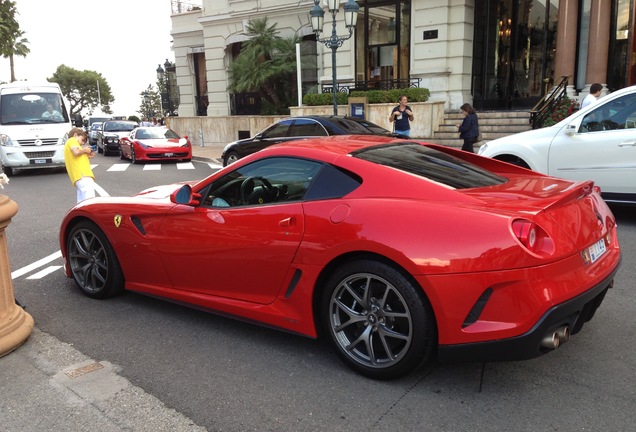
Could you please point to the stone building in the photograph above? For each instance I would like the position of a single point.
(495, 54)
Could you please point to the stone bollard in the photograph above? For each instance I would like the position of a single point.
(15, 324)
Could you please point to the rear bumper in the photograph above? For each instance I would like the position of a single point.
(574, 313)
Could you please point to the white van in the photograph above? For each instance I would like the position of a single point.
(34, 126)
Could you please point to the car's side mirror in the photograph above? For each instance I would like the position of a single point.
(184, 195)
(571, 129)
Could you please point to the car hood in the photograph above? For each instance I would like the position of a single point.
(164, 143)
(526, 139)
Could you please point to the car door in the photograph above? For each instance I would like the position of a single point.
(239, 247)
(599, 145)
(272, 135)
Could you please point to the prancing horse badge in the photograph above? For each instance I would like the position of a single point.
(117, 220)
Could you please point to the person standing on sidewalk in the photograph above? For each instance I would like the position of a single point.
(401, 117)
(78, 166)
(469, 127)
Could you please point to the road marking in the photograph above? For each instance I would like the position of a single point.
(44, 272)
(214, 165)
(185, 165)
(100, 191)
(119, 167)
(152, 167)
(39, 263)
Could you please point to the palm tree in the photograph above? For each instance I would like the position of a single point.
(265, 64)
(19, 48)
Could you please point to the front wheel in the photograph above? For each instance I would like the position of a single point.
(380, 323)
(93, 262)
(230, 158)
(8, 171)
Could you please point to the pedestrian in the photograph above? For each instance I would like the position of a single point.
(401, 117)
(595, 93)
(469, 127)
(78, 166)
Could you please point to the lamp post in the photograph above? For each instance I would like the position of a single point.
(163, 76)
(317, 16)
(148, 103)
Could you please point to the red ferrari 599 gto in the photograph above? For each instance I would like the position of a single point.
(395, 250)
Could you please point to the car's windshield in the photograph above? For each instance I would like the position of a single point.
(119, 126)
(32, 108)
(431, 164)
(156, 133)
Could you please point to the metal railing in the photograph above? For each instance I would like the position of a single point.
(544, 108)
(179, 6)
(389, 84)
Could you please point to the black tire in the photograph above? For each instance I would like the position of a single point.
(100, 149)
(230, 158)
(133, 159)
(93, 262)
(121, 154)
(380, 323)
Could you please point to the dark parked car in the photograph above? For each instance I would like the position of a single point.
(294, 128)
(109, 134)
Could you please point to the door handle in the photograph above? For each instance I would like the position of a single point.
(627, 144)
(287, 222)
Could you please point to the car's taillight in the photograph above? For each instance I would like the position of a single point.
(532, 237)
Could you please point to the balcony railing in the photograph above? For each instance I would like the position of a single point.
(389, 84)
(179, 6)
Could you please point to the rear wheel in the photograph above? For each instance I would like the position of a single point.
(230, 158)
(380, 323)
(93, 262)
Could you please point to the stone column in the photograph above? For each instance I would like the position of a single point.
(598, 43)
(567, 42)
(15, 324)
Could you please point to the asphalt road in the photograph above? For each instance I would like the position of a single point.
(228, 375)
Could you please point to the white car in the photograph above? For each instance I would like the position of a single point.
(597, 143)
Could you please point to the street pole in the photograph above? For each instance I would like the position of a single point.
(334, 42)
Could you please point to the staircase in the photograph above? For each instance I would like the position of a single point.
(492, 125)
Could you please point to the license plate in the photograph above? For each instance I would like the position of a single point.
(596, 250)
(39, 161)
(169, 154)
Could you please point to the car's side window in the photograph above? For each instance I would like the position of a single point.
(268, 181)
(307, 127)
(279, 130)
(617, 114)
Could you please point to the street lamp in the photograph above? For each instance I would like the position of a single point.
(148, 103)
(317, 16)
(166, 83)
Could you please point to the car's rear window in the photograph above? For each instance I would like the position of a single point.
(431, 164)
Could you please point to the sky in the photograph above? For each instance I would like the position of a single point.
(124, 40)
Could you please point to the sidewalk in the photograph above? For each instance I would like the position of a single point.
(47, 385)
(208, 153)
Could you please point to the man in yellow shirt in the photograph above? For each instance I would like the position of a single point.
(78, 165)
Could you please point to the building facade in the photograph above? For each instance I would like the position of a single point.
(495, 54)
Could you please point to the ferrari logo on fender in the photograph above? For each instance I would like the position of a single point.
(117, 220)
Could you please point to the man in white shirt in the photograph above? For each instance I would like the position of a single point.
(595, 92)
(51, 113)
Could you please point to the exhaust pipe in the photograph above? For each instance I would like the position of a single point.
(564, 334)
(551, 340)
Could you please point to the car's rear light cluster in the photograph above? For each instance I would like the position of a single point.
(533, 237)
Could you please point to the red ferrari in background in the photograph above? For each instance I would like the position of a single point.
(395, 250)
(154, 143)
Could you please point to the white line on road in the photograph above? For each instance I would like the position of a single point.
(214, 165)
(119, 167)
(185, 165)
(37, 264)
(152, 167)
(44, 272)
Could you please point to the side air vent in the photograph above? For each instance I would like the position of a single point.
(137, 222)
(478, 308)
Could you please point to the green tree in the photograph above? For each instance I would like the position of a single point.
(265, 65)
(12, 42)
(85, 90)
(150, 103)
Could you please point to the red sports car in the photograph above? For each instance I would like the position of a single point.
(395, 250)
(154, 143)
